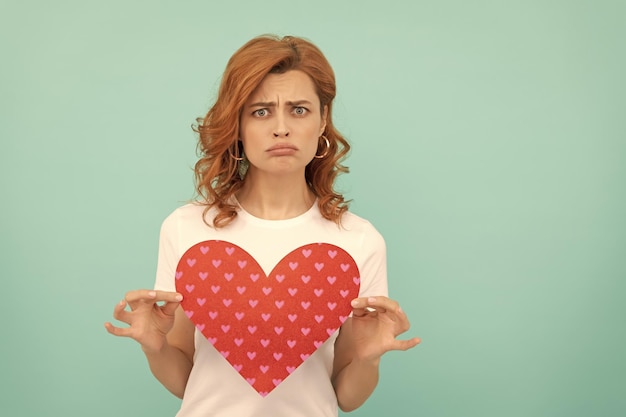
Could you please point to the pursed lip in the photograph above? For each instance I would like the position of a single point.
(281, 147)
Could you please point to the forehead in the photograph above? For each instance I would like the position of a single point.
(291, 85)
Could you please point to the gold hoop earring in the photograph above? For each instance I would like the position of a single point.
(242, 166)
(327, 148)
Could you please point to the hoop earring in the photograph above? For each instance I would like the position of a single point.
(243, 165)
(327, 148)
(236, 158)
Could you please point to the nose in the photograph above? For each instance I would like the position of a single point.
(281, 129)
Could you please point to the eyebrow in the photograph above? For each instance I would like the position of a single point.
(273, 103)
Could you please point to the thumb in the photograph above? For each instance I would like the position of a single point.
(169, 308)
(406, 344)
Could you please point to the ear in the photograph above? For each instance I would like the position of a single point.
(324, 114)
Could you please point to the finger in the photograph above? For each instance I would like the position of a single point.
(362, 312)
(168, 296)
(170, 308)
(151, 297)
(367, 311)
(381, 304)
(117, 331)
(120, 313)
(404, 320)
(406, 344)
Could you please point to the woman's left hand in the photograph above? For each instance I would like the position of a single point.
(376, 322)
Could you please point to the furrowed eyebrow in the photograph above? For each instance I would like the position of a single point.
(263, 104)
(298, 102)
(273, 103)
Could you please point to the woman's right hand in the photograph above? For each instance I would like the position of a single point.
(150, 318)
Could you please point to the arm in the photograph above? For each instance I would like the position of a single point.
(163, 331)
(362, 340)
(347, 368)
(172, 364)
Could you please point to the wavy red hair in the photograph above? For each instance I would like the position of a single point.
(216, 172)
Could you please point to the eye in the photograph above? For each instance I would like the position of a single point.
(260, 113)
(300, 111)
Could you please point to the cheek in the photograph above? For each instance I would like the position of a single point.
(248, 126)
(311, 147)
(247, 137)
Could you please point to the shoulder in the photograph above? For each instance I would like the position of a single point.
(188, 215)
(189, 211)
(351, 219)
(370, 235)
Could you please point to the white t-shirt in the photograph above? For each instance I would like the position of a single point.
(214, 387)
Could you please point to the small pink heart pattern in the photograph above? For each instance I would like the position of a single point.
(266, 326)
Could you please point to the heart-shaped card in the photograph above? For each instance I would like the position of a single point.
(265, 326)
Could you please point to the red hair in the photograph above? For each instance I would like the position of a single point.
(216, 173)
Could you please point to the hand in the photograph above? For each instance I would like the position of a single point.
(376, 322)
(151, 317)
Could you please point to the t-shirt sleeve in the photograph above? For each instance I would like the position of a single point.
(374, 268)
(168, 255)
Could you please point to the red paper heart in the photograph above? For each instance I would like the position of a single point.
(266, 326)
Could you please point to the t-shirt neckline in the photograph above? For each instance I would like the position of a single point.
(248, 217)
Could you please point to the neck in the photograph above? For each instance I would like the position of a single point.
(275, 198)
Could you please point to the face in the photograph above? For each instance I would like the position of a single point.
(281, 123)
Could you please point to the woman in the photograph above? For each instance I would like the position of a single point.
(269, 158)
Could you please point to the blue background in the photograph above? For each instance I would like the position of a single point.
(489, 148)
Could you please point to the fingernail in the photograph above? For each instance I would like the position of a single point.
(152, 294)
(355, 303)
(122, 302)
(400, 310)
(371, 300)
(179, 297)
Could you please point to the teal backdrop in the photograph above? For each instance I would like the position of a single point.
(489, 148)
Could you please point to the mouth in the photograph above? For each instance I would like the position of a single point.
(282, 147)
